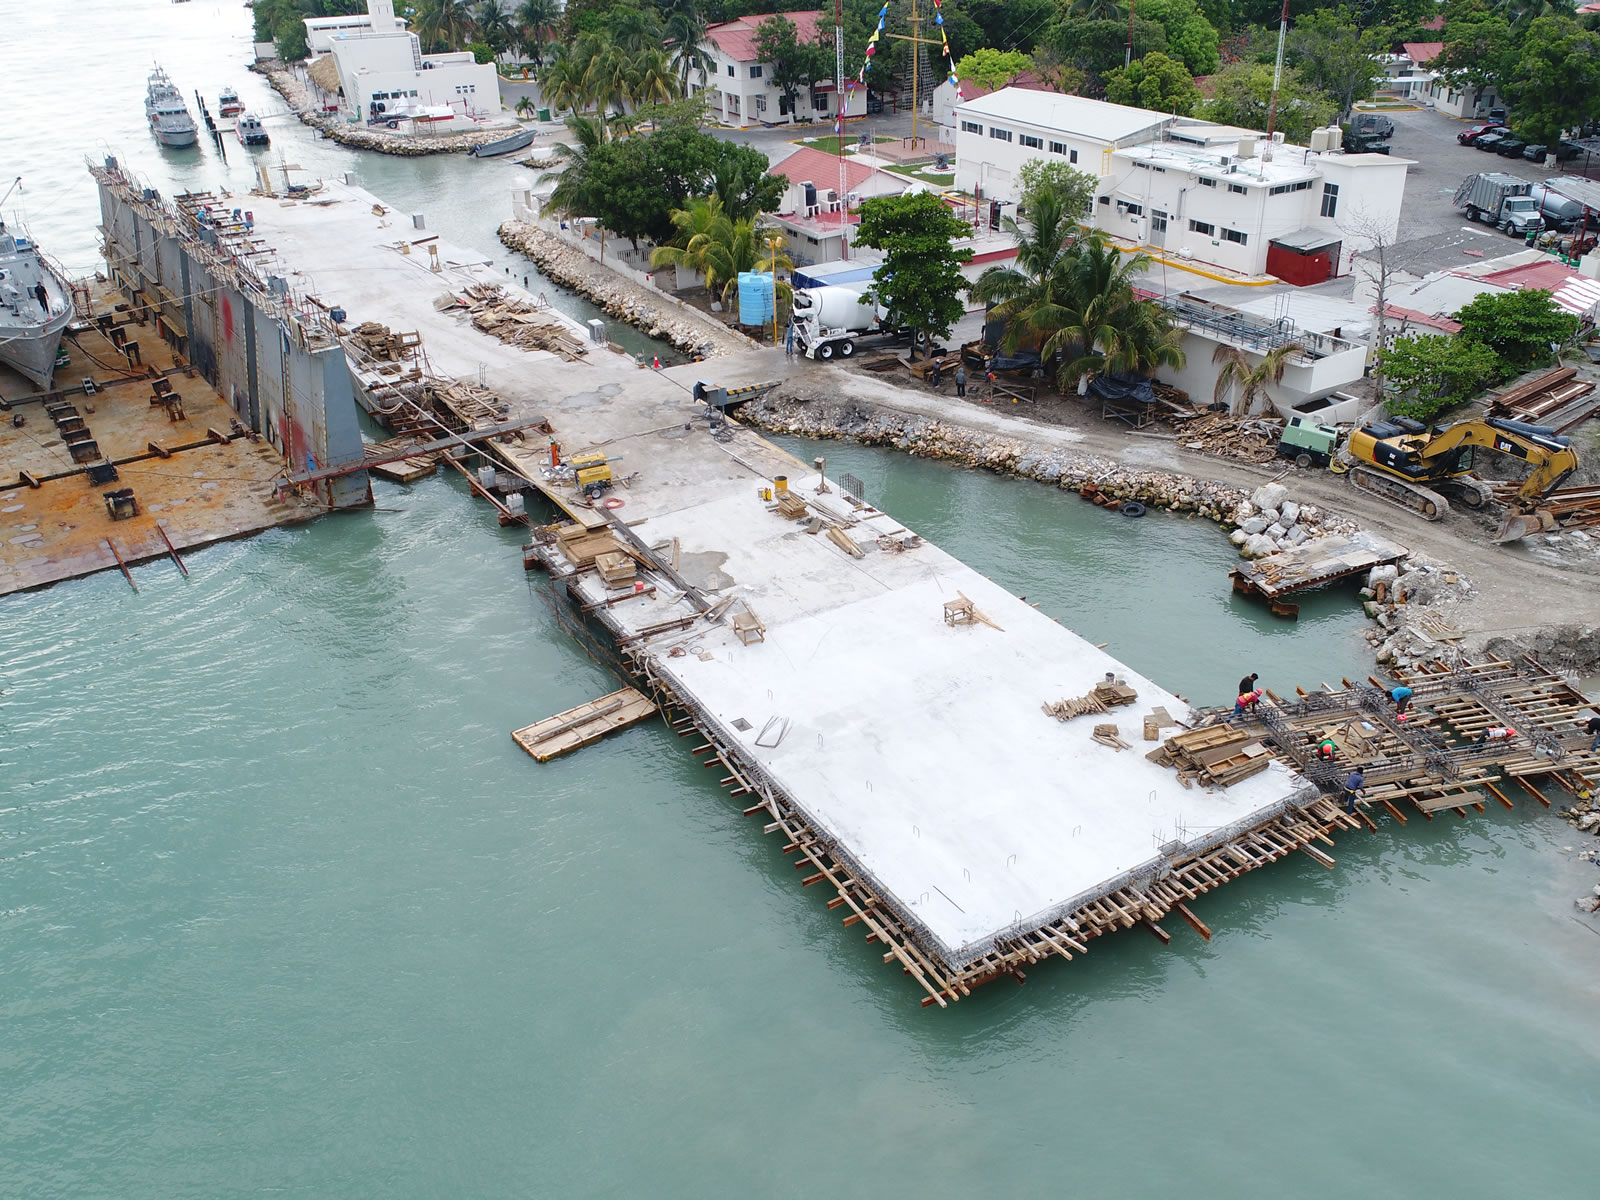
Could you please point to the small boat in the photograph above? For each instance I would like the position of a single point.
(168, 114)
(519, 140)
(250, 130)
(35, 307)
(228, 103)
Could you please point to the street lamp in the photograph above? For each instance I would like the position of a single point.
(774, 243)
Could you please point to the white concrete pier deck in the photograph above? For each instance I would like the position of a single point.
(919, 748)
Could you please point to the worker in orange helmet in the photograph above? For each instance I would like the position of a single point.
(1495, 733)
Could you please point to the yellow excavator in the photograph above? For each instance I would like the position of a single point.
(1408, 464)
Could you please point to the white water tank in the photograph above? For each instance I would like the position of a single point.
(1319, 140)
(1335, 138)
(1247, 147)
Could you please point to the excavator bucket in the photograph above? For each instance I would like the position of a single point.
(1521, 525)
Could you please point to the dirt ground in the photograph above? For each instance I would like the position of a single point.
(1520, 588)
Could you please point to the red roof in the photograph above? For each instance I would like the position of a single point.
(1435, 25)
(1415, 317)
(737, 39)
(1421, 52)
(1548, 276)
(809, 165)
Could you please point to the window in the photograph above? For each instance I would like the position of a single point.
(1134, 210)
(819, 102)
(1058, 147)
(1240, 188)
(1000, 135)
(1030, 141)
(1141, 166)
(1158, 221)
(755, 72)
(761, 104)
(1233, 235)
(971, 127)
(1330, 200)
(1204, 182)
(1303, 186)
(1072, 156)
(730, 70)
(1202, 227)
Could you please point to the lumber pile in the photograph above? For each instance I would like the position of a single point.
(518, 322)
(1103, 697)
(1248, 439)
(379, 342)
(1217, 756)
(1557, 398)
(584, 548)
(790, 507)
(1106, 735)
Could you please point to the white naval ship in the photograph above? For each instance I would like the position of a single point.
(169, 115)
(35, 307)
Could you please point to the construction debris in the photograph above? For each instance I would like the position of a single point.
(379, 342)
(1248, 439)
(1103, 697)
(1557, 398)
(1107, 735)
(517, 322)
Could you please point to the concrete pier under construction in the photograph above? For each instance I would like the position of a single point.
(877, 702)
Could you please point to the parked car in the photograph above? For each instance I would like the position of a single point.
(1468, 136)
(1510, 147)
(1497, 114)
(1489, 141)
(1567, 151)
(1535, 152)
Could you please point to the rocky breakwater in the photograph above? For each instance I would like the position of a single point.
(1268, 521)
(688, 329)
(384, 141)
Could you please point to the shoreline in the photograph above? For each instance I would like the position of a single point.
(654, 314)
(358, 137)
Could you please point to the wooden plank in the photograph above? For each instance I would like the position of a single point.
(1195, 922)
(584, 725)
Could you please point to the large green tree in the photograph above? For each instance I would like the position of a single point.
(1243, 92)
(1428, 374)
(992, 69)
(1191, 38)
(1335, 57)
(1095, 47)
(1103, 326)
(1479, 51)
(1520, 327)
(719, 247)
(1155, 82)
(1555, 79)
(791, 63)
(920, 281)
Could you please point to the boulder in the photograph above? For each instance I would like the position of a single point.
(1385, 574)
(1276, 530)
(1253, 525)
(1269, 495)
(1238, 537)
(1258, 545)
(1298, 535)
(1289, 513)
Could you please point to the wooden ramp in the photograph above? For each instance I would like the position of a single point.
(584, 725)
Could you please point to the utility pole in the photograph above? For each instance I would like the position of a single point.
(1127, 54)
(917, 40)
(1277, 78)
(839, 97)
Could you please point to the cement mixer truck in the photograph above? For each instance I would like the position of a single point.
(828, 320)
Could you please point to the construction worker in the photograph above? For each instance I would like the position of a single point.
(1326, 749)
(961, 380)
(1495, 733)
(1593, 729)
(1248, 683)
(1401, 696)
(1354, 784)
(1246, 701)
(933, 375)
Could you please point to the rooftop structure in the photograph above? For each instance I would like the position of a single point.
(812, 213)
(741, 84)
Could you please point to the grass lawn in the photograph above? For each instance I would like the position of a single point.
(936, 179)
(830, 144)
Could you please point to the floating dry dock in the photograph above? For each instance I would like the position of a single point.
(827, 661)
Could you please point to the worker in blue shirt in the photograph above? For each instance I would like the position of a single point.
(1357, 782)
(1402, 699)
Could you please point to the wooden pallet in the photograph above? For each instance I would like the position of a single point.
(583, 725)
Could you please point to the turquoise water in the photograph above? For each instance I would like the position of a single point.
(284, 911)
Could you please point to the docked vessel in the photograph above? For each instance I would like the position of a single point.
(35, 307)
(169, 115)
(519, 140)
(228, 103)
(250, 130)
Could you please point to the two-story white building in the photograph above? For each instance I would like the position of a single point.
(814, 215)
(1188, 189)
(381, 63)
(740, 84)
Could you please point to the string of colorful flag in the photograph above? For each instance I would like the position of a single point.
(872, 50)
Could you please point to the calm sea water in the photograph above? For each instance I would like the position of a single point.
(284, 911)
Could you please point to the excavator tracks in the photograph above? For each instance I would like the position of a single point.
(1409, 496)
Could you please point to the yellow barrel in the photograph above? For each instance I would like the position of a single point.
(780, 484)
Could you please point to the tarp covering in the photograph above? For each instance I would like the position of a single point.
(1123, 387)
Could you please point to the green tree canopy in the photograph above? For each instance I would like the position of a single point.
(1553, 83)
(1478, 50)
(1191, 38)
(1095, 47)
(791, 63)
(920, 280)
(1429, 374)
(1244, 91)
(1334, 56)
(1155, 82)
(992, 69)
(1518, 326)
(1073, 190)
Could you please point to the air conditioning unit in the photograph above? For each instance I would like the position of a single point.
(1224, 161)
(833, 196)
(853, 198)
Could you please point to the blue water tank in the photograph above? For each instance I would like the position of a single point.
(755, 297)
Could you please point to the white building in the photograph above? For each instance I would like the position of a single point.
(740, 84)
(320, 31)
(1211, 194)
(813, 214)
(1430, 88)
(382, 63)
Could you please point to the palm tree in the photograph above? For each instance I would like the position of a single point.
(718, 248)
(534, 20)
(1028, 296)
(650, 78)
(443, 24)
(524, 107)
(634, 29)
(563, 83)
(1251, 378)
(1097, 10)
(686, 31)
(493, 27)
(571, 195)
(1108, 329)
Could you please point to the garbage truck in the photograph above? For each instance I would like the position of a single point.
(1501, 200)
(828, 320)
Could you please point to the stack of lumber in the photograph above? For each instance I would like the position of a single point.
(518, 322)
(615, 567)
(790, 507)
(1217, 755)
(1248, 439)
(1557, 398)
(1107, 735)
(584, 548)
(379, 342)
(1573, 508)
(1103, 697)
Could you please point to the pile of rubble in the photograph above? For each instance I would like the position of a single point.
(1248, 439)
(1591, 902)
(1269, 522)
(1411, 605)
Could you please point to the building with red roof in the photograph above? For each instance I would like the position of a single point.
(812, 214)
(740, 84)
